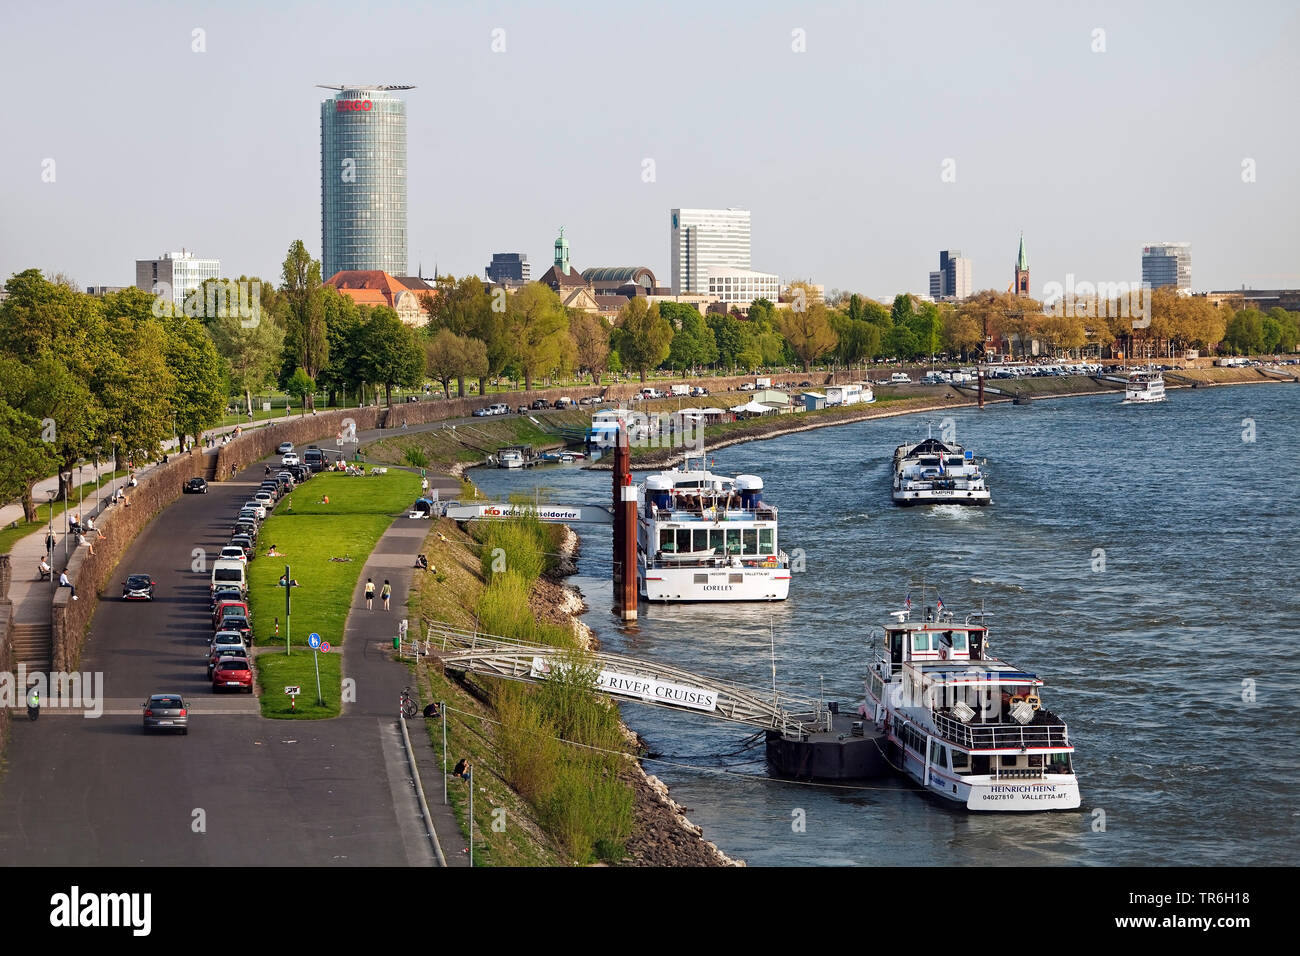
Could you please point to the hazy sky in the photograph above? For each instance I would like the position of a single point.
(837, 150)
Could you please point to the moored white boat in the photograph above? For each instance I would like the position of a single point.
(707, 537)
(1145, 386)
(966, 726)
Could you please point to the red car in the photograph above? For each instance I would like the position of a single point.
(219, 613)
(232, 673)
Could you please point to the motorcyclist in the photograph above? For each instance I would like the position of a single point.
(33, 702)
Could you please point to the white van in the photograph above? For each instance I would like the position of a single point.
(651, 393)
(680, 390)
(762, 383)
(229, 573)
(900, 378)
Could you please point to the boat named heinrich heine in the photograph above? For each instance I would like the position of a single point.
(966, 726)
(707, 537)
(935, 472)
(1145, 386)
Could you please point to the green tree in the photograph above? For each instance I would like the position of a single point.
(808, 332)
(250, 353)
(643, 338)
(306, 341)
(537, 323)
(730, 338)
(446, 357)
(389, 352)
(591, 334)
(26, 458)
(299, 386)
(200, 389)
(1245, 332)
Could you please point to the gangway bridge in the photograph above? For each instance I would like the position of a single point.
(626, 678)
(550, 514)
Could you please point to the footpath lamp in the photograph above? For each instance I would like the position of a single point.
(67, 477)
(97, 450)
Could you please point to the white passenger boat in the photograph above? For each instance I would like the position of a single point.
(510, 458)
(967, 726)
(1145, 386)
(707, 537)
(933, 472)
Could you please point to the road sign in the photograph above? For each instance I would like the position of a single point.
(293, 690)
(325, 647)
(313, 640)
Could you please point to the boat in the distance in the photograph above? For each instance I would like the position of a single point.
(935, 472)
(965, 725)
(708, 537)
(1147, 385)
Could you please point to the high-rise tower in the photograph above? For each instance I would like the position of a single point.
(363, 180)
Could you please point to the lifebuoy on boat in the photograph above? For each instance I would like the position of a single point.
(943, 653)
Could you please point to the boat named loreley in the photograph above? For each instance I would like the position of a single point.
(934, 472)
(965, 725)
(1145, 386)
(707, 537)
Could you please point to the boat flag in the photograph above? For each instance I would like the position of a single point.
(938, 603)
(942, 469)
(908, 603)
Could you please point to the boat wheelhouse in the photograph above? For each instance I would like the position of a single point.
(935, 472)
(707, 537)
(967, 726)
(1145, 386)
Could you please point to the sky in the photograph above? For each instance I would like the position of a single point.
(863, 136)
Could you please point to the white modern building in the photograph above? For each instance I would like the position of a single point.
(175, 274)
(1168, 263)
(740, 287)
(704, 241)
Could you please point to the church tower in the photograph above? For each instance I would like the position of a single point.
(1021, 284)
(562, 254)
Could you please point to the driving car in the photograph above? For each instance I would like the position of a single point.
(138, 587)
(232, 673)
(521, 409)
(195, 486)
(166, 712)
(284, 448)
(289, 459)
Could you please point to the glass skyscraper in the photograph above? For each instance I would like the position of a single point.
(705, 239)
(1168, 263)
(363, 180)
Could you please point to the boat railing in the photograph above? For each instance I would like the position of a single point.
(1003, 736)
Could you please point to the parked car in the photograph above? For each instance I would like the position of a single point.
(138, 587)
(222, 643)
(267, 498)
(221, 595)
(590, 400)
(195, 486)
(232, 673)
(500, 408)
(564, 402)
(284, 448)
(246, 542)
(236, 605)
(166, 712)
(258, 508)
(233, 551)
(541, 403)
(699, 391)
(483, 412)
(521, 410)
(245, 526)
(289, 459)
(314, 459)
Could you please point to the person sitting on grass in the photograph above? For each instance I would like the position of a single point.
(432, 712)
(462, 769)
(273, 553)
(422, 562)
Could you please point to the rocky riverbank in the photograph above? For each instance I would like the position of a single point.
(662, 834)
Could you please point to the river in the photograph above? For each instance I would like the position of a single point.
(1142, 560)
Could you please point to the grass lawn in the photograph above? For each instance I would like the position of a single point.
(310, 533)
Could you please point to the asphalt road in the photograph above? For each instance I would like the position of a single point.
(238, 790)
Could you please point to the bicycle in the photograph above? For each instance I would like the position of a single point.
(407, 706)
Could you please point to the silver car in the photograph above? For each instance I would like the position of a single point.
(166, 712)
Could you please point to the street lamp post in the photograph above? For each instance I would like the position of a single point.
(97, 449)
(67, 477)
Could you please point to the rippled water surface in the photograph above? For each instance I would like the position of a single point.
(1148, 660)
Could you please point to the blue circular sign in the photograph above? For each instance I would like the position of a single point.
(313, 640)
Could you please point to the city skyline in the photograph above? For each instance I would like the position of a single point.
(849, 204)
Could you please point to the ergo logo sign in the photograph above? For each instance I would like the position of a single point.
(343, 106)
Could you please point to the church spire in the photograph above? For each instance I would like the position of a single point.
(1020, 284)
(562, 254)
(1022, 261)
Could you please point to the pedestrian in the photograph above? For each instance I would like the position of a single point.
(49, 543)
(386, 593)
(65, 583)
(34, 700)
(370, 594)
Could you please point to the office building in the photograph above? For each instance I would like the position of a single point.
(704, 241)
(509, 268)
(175, 274)
(1168, 264)
(740, 287)
(953, 280)
(363, 180)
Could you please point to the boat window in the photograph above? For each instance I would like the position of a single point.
(920, 641)
(959, 760)
(683, 540)
(750, 537)
(701, 539)
(666, 540)
(943, 756)
(733, 541)
(1009, 760)
(736, 578)
(766, 543)
(958, 640)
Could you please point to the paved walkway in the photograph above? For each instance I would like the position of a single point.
(368, 658)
